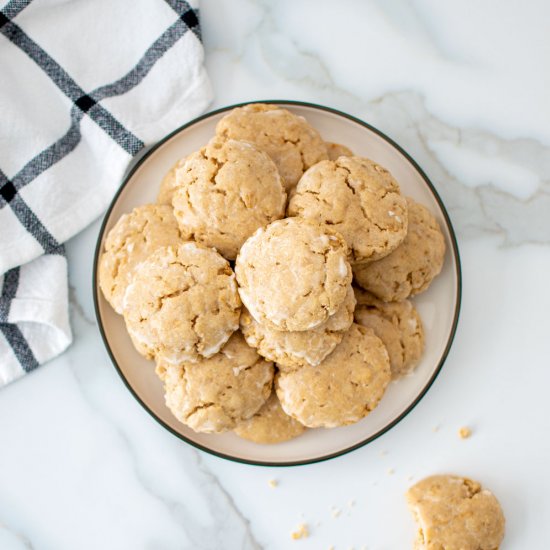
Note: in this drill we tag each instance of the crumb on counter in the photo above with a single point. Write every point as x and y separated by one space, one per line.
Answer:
336 512
301 532
273 483
391 471
383 452
351 503
435 428
464 432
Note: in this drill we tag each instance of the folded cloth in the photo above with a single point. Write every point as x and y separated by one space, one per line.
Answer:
85 86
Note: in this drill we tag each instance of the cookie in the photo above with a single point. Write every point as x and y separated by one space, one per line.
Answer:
215 394
293 274
306 347
288 139
168 184
359 199
399 327
270 424
132 239
343 389
226 191
410 269
336 150
455 513
182 304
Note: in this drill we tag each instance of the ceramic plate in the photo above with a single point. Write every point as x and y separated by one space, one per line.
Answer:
439 306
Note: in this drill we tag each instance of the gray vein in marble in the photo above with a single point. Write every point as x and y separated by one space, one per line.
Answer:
230 525
475 211
25 541
77 308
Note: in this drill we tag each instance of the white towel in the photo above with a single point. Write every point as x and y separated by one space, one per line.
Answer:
84 86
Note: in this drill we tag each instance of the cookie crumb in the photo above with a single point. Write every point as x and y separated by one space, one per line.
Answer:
435 428
273 483
391 471
351 503
301 532
336 512
464 432
410 478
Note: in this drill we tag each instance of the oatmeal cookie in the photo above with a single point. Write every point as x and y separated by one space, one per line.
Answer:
226 191
215 394
359 199
270 424
293 274
455 513
132 239
288 139
410 268
182 304
344 388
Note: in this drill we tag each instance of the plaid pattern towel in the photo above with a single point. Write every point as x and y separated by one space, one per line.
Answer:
84 87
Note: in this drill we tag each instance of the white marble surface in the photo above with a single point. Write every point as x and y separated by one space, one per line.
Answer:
463 86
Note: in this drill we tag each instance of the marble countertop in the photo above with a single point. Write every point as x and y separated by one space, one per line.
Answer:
463 87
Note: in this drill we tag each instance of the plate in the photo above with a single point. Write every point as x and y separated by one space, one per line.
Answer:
439 306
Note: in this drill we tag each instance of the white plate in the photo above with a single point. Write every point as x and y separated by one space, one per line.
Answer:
438 307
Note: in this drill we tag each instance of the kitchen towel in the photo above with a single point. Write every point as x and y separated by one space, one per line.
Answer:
84 87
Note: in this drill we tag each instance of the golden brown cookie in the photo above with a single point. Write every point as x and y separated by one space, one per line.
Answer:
410 268
215 394
168 184
398 325
344 388
270 424
182 304
225 192
337 150
289 140
132 239
293 274
455 513
359 199
306 347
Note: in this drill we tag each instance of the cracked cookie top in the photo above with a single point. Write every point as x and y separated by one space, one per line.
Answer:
455 513
270 424
288 139
398 325
182 304
412 266
293 274
168 184
299 348
132 239
226 191
344 388
214 394
359 199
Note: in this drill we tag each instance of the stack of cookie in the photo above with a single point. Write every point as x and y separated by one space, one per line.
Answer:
238 282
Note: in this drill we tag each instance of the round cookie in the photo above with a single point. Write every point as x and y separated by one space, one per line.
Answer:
337 150
398 325
293 274
359 199
299 348
343 389
182 304
455 513
270 424
226 191
215 394
169 183
132 239
410 268
289 140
